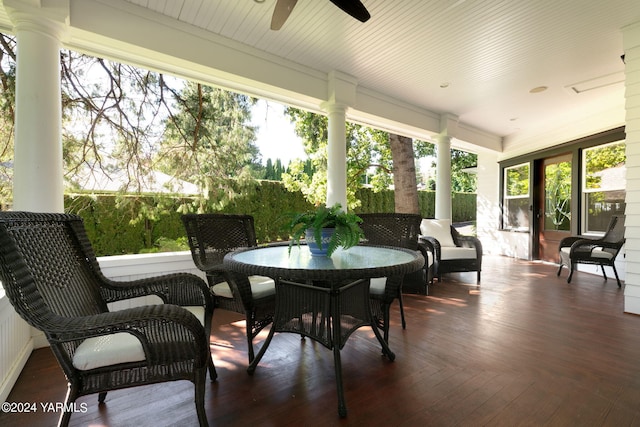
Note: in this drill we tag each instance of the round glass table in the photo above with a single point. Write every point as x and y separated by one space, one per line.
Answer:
324 298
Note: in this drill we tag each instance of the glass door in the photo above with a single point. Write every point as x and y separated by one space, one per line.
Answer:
554 207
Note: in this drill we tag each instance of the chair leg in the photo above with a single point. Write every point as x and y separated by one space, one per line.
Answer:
386 310
478 276
571 268
249 327
404 323
102 396
604 273
559 269
72 395
213 375
199 382
616 274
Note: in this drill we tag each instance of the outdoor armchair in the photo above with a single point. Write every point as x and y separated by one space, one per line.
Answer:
211 237
599 251
453 251
53 280
400 230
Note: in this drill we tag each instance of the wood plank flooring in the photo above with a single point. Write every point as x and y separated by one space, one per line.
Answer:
523 349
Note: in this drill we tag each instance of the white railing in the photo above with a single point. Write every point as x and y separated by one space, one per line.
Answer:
18 339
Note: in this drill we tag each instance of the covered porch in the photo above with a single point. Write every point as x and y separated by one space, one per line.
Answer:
524 347
457 329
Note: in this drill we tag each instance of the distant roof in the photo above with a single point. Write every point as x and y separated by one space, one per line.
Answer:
116 179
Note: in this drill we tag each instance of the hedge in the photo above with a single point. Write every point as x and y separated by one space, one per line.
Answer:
120 224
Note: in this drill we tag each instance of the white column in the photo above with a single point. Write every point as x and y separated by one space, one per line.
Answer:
443 178
341 93
631 41
38 166
336 155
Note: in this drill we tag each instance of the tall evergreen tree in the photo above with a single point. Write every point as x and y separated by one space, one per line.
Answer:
209 141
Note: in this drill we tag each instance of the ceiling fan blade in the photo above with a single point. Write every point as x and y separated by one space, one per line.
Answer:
354 8
281 12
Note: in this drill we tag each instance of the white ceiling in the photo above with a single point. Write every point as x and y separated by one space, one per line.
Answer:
488 53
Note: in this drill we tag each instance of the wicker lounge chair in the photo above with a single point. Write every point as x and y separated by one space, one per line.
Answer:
400 230
52 278
453 251
211 237
603 251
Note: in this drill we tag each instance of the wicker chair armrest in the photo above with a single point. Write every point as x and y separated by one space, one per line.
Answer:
145 321
470 242
589 244
569 241
432 244
184 289
424 249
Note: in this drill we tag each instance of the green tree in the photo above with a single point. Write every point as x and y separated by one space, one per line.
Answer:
361 155
208 141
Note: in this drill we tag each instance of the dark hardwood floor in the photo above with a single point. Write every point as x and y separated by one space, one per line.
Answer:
524 348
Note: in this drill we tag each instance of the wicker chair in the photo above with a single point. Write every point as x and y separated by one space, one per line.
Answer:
211 237
400 230
453 251
603 251
52 278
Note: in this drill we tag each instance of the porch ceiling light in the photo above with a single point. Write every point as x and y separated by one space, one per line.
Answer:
538 89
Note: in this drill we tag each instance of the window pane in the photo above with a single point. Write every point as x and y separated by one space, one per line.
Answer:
604 184
557 196
601 205
516 214
517 181
605 167
516 198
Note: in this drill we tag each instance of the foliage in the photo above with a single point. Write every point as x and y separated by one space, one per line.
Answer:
518 180
461 181
347 232
114 226
209 143
599 159
114 117
367 150
558 195
7 104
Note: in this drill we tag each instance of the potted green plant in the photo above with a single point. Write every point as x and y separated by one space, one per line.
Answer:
325 229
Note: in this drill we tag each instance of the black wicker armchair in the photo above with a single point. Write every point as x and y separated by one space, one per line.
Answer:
603 251
400 230
53 280
211 237
453 251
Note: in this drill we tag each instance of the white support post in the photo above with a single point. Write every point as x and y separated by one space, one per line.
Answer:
443 178
631 41
38 165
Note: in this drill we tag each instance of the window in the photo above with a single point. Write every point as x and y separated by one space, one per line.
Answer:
603 185
516 198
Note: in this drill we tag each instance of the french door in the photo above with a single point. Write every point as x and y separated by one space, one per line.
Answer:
553 205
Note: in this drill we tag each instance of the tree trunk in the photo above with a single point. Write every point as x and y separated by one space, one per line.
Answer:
404 174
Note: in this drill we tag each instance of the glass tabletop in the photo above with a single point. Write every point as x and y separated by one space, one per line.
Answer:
361 261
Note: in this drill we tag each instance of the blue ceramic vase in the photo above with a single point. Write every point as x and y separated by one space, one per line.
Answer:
314 248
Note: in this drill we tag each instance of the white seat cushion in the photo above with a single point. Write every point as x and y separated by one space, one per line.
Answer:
440 229
596 253
260 287
106 350
377 285
121 347
600 253
457 253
